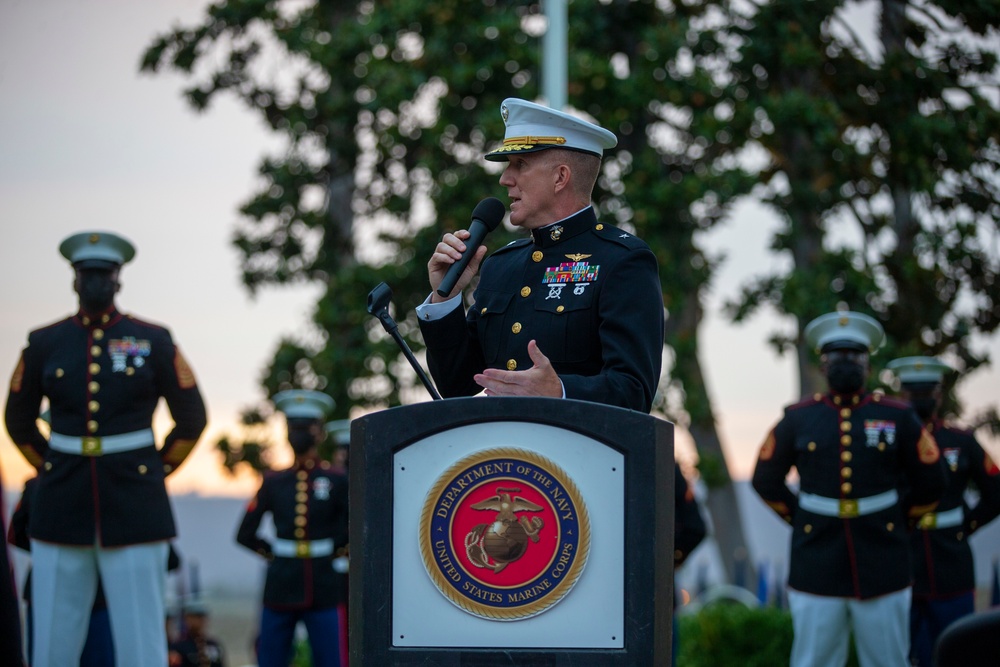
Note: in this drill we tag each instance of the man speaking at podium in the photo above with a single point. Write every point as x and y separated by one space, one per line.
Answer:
574 311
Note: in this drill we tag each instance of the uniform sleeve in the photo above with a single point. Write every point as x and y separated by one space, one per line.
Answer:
23 407
453 353
17 534
986 475
246 535
689 526
922 464
776 458
176 383
341 534
630 329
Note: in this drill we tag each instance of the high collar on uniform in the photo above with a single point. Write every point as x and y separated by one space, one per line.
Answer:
109 316
847 400
310 462
567 228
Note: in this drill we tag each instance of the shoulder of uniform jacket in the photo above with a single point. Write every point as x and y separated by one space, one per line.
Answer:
890 402
958 430
618 236
144 323
806 402
51 326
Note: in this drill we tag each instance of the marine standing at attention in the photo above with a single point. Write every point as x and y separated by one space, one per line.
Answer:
856 454
944 575
101 506
308 503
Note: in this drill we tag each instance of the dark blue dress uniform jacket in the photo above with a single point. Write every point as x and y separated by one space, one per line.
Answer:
307 502
587 292
942 558
103 377
849 448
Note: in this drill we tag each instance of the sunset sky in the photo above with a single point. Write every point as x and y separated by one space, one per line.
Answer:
88 143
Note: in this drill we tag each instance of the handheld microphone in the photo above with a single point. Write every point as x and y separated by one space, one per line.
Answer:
485 218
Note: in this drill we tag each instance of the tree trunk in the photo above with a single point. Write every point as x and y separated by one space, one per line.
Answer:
807 250
682 328
723 507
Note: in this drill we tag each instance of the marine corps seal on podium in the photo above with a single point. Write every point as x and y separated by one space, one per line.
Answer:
504 534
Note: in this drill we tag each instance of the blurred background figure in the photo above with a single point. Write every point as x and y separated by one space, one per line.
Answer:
689 531
856 453
12 653
944 577
100 511
308 504
98 649
340 433
194 646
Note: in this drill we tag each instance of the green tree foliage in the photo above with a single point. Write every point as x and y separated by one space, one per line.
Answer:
882 162
388 107
373 134
879 159
381 156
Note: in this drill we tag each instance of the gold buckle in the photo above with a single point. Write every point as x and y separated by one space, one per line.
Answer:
91 445
302 549
928 521
848 508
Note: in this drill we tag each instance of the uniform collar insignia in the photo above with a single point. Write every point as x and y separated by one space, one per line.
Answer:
560 232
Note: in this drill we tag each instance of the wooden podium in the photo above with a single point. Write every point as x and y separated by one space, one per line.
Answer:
511 531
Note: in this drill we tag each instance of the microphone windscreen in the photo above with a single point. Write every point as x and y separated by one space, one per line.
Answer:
490 212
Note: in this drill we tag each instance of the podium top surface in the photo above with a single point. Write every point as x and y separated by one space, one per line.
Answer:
594 419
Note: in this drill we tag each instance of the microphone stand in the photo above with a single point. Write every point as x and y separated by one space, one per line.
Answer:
378 306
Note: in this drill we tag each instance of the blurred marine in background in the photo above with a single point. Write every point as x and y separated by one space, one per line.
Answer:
101 511
308 503
195 647
944 576
856 454
689 531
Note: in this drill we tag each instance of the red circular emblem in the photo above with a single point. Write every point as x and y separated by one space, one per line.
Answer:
504 534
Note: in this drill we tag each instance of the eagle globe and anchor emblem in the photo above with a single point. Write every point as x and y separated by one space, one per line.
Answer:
506 539
522 560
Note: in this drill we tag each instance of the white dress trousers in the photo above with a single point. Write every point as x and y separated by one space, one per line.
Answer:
63 585
822 626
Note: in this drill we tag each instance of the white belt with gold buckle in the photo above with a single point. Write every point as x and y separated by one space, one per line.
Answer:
96 445
947 519
847 508
302 548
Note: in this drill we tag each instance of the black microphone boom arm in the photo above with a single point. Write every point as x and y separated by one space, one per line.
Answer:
378 307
